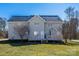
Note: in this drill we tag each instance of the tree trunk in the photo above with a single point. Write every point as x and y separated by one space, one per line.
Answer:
65 41
21 37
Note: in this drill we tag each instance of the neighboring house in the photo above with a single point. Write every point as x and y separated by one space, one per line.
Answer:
40 27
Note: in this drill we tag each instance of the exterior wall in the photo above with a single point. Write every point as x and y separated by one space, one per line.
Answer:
12 34
36 24
39 25
55 27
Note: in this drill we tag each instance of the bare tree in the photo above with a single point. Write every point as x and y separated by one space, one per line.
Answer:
65 30
76 14
73 25
2 26
70 27
69 12
21 30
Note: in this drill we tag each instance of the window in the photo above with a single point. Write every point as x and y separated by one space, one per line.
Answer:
49 32
42 33
52 31
36 23
35 33
78 29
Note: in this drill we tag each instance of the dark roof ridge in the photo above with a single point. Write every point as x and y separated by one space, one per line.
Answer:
21 15
49 15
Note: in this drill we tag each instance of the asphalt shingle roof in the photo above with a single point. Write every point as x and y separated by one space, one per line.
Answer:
51 18
26 18
20 18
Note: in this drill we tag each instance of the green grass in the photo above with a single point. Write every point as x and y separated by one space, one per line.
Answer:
71 49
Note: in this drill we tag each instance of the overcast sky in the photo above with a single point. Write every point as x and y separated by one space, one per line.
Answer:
9 9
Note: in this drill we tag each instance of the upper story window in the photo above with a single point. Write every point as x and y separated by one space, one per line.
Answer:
36 23
49 24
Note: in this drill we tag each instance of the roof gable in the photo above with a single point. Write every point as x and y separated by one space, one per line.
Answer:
36 18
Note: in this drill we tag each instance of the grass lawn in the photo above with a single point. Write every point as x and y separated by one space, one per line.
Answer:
8 49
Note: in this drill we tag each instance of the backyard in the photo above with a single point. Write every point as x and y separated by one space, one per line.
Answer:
12 48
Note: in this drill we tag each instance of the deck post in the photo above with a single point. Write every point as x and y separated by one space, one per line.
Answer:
46 41
41 41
